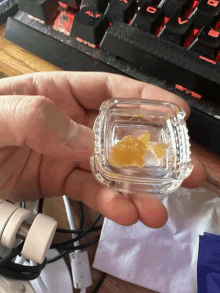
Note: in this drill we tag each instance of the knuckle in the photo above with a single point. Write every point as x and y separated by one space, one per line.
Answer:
38 103
31 112
38 107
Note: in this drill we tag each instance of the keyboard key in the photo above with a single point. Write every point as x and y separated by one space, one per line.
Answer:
177 29
172 6
162 59
207 43
89 25
148 18
63 23
189 8
99 5
205 12
43 10
148 2
7 8
72 3
121 10
138 54
209 7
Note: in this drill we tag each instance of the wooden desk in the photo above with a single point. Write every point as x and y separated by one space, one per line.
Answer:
15 61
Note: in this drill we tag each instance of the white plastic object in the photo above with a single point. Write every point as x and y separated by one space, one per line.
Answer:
1 200
40 281
9 234
56 276
80 269
6 211
8 285
39 238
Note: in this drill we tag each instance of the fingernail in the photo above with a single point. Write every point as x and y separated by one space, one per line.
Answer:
80 138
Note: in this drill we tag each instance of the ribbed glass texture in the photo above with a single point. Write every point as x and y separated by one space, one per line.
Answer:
166 125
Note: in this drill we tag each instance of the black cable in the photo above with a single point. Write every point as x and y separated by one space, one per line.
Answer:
12 254
11 273
40 206
96 289
5 261
19 275
82 246
22 204
59 245
55 258
21 272
27 269
78 231
81 215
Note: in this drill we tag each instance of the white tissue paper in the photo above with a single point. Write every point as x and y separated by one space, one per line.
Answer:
165 259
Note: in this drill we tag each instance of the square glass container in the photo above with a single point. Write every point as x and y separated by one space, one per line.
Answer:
164 122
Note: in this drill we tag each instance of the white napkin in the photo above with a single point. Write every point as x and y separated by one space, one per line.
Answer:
165 259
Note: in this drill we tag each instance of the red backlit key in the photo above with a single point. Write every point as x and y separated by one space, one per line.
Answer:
205 11
209 7
63 23
89 25
99 5
177 29
148 18
121 10
207 43
43 10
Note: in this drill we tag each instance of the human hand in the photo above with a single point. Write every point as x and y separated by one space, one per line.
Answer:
44 153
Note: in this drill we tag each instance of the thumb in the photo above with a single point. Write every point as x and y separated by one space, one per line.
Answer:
36 122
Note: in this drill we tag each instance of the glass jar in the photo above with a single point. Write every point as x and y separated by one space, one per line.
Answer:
164 124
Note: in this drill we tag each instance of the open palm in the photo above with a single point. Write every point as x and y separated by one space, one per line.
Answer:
34 164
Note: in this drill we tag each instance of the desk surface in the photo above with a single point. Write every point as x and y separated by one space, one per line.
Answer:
16 61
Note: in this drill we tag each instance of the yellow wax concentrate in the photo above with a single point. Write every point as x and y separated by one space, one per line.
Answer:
128 152
159 150
145 138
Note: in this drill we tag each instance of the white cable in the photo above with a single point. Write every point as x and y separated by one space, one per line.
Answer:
20 260
70 217
33 206
74 263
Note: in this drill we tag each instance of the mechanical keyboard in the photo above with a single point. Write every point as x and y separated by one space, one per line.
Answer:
174 44
7 8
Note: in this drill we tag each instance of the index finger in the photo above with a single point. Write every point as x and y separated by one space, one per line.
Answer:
91 89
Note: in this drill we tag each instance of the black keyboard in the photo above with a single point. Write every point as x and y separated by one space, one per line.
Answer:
174 44
7 8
